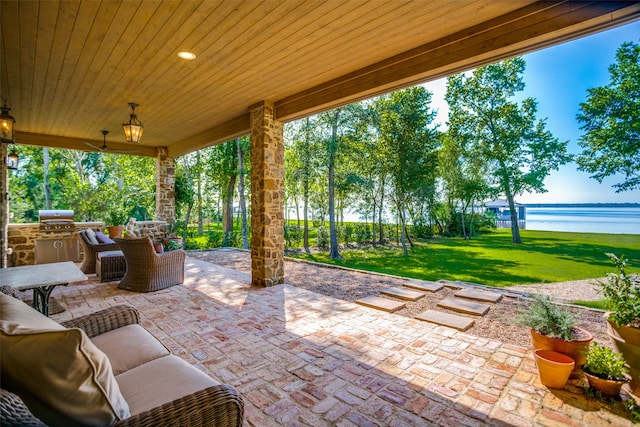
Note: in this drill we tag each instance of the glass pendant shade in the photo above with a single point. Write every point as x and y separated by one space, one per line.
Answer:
7 126
12 161
133 128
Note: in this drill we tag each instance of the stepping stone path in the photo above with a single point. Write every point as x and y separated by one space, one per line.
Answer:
479 295
403 293
423 285
380 303
469 298
445 319
464 306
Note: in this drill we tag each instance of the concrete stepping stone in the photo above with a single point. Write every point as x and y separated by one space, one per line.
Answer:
479 295
380 303
402 293
464 306
445 319
423 285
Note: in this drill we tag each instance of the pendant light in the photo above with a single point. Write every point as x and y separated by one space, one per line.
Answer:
133 128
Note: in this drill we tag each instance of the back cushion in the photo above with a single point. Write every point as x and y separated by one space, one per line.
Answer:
91 235
60 367
102 238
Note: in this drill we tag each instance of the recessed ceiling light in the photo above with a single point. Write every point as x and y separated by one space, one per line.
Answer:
187 55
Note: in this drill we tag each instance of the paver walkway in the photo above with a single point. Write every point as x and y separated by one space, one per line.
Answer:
301 358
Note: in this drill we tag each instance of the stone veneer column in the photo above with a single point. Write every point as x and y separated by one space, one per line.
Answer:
267 191
4 205
165 187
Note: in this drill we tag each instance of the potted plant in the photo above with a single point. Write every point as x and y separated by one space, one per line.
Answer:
175 232
605 370
117 218
554 328
622 293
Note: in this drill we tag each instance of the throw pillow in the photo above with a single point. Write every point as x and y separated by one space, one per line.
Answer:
60 367
102 238
91 235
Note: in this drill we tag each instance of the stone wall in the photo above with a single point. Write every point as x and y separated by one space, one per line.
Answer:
22 237
165 186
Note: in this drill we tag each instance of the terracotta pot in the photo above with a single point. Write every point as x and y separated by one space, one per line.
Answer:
115 230
554 368
626 341
573 349
608 388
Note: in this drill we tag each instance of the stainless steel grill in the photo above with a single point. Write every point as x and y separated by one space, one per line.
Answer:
56 220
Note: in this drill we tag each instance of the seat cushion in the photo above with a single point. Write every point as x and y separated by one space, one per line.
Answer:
161 381
60 367
129 347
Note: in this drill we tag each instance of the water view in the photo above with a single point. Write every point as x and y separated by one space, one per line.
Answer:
616 220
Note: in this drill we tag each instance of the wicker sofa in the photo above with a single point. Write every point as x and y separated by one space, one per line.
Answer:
148 271
90 250
101 369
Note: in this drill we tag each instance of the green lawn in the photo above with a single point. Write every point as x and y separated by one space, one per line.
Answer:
492 259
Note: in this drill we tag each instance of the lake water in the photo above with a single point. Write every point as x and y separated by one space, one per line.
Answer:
616 220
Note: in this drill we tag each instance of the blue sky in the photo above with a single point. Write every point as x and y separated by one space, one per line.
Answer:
558 78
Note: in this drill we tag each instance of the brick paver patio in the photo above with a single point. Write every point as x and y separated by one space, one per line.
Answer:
301 358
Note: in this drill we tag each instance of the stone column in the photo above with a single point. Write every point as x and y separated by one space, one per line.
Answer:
267 183
165 187
4 205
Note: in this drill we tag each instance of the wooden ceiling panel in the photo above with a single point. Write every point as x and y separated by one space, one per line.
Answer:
72 74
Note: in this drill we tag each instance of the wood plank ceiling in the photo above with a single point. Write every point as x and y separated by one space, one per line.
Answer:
69 68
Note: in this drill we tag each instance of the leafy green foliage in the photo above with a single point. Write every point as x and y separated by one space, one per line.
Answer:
604 363
611 121
547 318
622 295
514 147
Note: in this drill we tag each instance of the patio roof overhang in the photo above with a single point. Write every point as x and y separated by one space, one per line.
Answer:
68 69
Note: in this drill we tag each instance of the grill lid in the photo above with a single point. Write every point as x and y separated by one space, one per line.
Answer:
55 216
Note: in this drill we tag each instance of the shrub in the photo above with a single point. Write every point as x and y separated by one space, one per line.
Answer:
604 363
622 295
322 237
292 235
547 318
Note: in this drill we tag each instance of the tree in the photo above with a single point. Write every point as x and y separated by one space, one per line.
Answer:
611 121
516 148
409 145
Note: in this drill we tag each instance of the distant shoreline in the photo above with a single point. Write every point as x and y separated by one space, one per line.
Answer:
582 205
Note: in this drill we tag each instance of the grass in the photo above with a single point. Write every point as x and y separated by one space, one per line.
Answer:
491 258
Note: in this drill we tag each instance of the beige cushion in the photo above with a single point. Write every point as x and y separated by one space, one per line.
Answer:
161 381
129 347
60 367
91 235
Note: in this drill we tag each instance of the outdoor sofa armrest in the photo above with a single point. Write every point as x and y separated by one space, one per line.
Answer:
14 413
219 405
105 320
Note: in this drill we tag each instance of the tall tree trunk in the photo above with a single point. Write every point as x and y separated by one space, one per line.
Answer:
515 228
373 225
305 185
380 210
334 253
45 178
227 207
198 169
405 250
243 203
464 228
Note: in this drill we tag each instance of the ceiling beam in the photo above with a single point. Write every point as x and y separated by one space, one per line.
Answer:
227 131
536 26
53 141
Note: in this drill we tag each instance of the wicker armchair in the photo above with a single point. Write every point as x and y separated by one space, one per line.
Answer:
90 250
219 405
148 271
